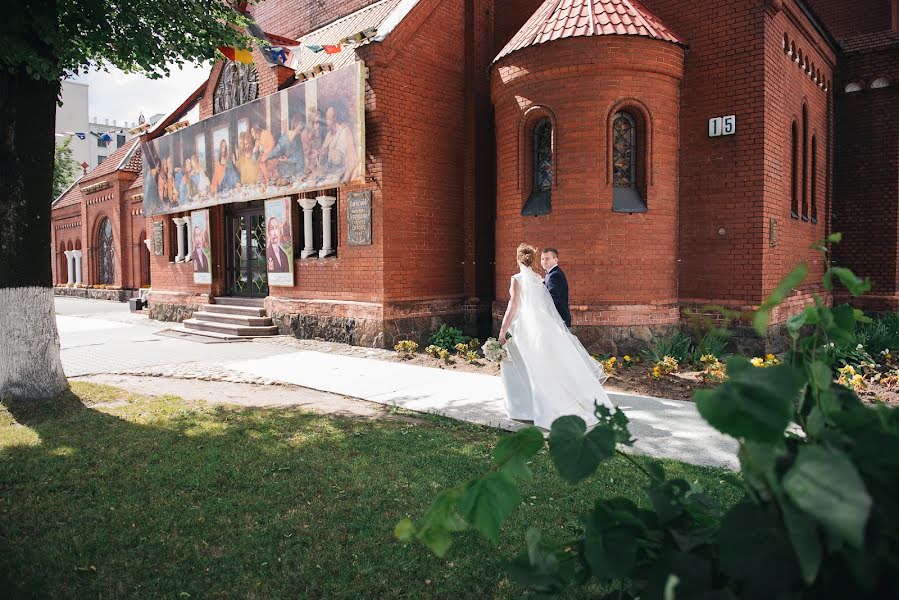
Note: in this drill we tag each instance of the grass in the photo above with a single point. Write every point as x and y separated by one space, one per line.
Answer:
109 494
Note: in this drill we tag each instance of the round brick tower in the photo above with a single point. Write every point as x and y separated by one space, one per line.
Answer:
587 98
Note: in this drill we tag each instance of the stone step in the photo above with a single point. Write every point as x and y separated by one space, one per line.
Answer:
227 328
199 333
237 301
227 309
233 319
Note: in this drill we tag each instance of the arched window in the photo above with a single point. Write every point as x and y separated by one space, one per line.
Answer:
106 253
814 182
539 200
804 162
794 166
880 82
626 156
853 87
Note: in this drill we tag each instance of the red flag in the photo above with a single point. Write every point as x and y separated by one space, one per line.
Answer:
332 49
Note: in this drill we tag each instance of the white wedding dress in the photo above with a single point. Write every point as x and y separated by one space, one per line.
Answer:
548 373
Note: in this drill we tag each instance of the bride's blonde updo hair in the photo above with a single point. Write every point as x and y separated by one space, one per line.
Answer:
527 255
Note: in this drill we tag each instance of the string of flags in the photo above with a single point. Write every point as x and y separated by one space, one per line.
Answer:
350 40
237 54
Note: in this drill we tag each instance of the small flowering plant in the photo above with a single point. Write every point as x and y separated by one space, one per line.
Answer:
667 365
769 361
493 351
406 348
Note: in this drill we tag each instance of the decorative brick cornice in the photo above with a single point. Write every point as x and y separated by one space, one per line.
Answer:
90 189
100 199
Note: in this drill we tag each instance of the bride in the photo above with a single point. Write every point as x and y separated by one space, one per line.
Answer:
548 373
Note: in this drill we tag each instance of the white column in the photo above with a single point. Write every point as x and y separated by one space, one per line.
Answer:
326 202
190 239
308 204
77 260
179 224
70 263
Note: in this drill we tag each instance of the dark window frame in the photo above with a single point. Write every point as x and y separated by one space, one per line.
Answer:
627 196
794 167
541 180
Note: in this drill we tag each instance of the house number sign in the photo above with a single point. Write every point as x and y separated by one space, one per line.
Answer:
722 126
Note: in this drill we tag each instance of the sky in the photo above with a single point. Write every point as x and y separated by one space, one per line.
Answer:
121 96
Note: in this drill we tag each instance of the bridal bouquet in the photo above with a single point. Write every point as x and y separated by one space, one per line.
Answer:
493 351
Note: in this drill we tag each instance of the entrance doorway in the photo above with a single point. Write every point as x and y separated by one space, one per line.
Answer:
245 273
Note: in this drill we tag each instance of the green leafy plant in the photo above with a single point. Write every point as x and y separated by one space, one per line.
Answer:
819 517
714 343
882 333
678 346
447 337
406 348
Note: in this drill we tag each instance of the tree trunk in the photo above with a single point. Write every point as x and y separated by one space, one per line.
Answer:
30 366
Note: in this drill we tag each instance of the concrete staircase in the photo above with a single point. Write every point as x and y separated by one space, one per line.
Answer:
231 318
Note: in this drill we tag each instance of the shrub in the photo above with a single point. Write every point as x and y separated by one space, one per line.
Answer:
406 348
678 346
433 351
882 333
666 366
447 337
714 342
819 517
471 357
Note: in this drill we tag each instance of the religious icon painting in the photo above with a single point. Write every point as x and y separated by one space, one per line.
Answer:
202 252
279 242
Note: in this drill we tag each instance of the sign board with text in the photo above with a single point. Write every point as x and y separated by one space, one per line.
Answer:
358 218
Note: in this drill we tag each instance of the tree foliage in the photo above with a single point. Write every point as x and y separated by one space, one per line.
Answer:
819 518
65 169
54 39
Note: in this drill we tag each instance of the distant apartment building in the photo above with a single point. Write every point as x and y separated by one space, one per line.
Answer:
72 121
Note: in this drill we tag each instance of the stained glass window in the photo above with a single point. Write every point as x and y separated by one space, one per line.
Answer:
543 157
107 253
238 84
624 167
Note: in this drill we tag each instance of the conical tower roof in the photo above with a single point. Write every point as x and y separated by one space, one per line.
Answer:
558 19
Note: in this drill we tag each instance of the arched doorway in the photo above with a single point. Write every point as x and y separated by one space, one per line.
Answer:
144 253
106 253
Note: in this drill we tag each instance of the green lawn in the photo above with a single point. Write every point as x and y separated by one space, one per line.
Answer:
163 498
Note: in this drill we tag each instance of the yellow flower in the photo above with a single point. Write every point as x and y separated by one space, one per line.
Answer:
627 358
757 362
769 357
657 371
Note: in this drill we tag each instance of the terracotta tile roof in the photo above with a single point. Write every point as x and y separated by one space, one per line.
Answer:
121 159
870 41
138 182
374 15
558 19
70 196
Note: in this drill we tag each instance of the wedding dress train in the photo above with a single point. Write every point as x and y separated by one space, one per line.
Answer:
548 373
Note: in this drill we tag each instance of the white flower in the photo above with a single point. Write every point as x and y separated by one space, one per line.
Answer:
493 351
859 347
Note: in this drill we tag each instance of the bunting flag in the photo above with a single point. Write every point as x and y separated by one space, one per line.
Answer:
80 135
329 49
237 54
314 47
275 55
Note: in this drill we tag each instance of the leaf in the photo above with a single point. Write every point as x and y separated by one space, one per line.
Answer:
852 283
835 238
763 314
487 502
803 534
753 548
576 453
611 553
404 530
755 404
825 484
808 316
539 567
655 469
436 527
518 447
820 375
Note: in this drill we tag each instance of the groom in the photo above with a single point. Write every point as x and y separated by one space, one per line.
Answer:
556 282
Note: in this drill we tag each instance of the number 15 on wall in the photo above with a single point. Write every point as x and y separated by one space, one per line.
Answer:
722 125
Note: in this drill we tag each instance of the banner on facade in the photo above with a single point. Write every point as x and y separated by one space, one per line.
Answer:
202 254
310 136
279 242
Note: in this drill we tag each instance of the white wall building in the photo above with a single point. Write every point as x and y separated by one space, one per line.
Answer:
71 120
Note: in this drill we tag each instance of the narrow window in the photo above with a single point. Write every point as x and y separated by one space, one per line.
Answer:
626 155
794 204
804 163
814 179
539 201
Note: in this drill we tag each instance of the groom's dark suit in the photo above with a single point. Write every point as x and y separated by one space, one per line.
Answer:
557 285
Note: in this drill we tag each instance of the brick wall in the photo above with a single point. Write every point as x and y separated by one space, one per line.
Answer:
866 178
618 264
798 76
844 19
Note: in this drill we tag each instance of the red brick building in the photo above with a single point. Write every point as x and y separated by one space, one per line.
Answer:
678 154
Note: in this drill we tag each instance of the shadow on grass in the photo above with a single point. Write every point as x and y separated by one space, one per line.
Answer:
103 493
